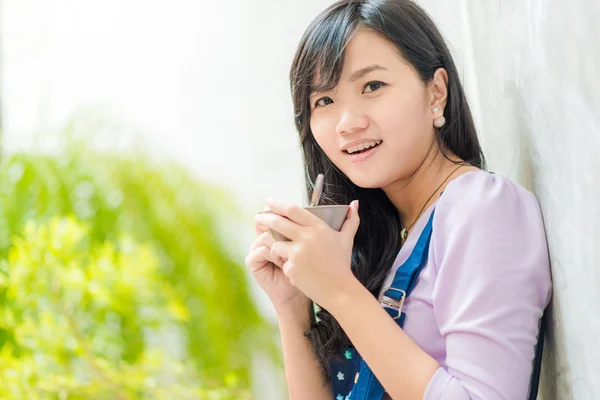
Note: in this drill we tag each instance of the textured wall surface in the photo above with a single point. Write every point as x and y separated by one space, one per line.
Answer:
531 71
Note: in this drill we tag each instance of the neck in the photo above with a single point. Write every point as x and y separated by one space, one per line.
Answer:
410 194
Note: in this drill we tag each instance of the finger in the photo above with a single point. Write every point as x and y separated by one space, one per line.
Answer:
259 228
282 250
264 239
278 261
259 258
281 224
352 222
293 212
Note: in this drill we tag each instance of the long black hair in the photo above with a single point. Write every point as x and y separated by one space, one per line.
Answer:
321 54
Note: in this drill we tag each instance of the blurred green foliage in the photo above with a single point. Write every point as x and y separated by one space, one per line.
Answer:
117 281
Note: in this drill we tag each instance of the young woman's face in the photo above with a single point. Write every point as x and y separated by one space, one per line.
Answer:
381 99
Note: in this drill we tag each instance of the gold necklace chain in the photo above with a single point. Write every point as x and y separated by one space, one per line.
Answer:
404 231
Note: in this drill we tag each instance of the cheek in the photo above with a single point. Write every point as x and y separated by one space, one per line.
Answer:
323 129
402 122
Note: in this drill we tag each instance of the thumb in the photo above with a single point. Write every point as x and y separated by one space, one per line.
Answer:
352 222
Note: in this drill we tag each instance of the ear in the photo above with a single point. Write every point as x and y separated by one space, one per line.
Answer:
438 91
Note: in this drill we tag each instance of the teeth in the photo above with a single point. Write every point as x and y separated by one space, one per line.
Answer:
362 146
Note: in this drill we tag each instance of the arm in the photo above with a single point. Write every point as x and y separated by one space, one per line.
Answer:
304 377
401 366
492 286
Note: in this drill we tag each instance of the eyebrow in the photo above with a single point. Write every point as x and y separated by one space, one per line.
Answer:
364 71
356 75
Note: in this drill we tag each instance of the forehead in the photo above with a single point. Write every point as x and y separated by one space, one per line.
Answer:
365 48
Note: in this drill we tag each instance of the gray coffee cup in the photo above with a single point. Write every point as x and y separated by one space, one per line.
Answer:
333 215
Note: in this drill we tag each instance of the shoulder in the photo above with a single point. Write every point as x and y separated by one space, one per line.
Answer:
478 198
485 216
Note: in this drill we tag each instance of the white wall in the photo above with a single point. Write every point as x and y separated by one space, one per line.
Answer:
532 69
206 84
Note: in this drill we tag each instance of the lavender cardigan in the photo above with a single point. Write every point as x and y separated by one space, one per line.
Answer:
479 299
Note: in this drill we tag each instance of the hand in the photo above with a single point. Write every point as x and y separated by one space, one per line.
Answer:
317 258
267 272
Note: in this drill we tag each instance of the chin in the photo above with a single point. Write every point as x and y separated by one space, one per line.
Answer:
367 181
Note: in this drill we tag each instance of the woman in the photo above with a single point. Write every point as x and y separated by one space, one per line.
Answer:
436 287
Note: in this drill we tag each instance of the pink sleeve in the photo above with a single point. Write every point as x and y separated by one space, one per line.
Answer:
493 283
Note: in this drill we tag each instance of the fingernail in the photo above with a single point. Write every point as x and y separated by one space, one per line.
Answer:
356 205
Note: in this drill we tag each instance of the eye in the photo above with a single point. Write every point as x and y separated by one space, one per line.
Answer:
373 85
323 101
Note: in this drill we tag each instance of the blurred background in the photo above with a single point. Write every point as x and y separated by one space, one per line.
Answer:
139 138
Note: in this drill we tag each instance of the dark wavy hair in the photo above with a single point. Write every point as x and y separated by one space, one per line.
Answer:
321 54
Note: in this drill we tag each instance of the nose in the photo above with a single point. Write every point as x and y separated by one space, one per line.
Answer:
351 121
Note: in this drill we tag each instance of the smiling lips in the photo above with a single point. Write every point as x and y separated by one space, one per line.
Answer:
362 151
362 146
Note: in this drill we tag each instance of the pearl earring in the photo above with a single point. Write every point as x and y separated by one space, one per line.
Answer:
438 123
